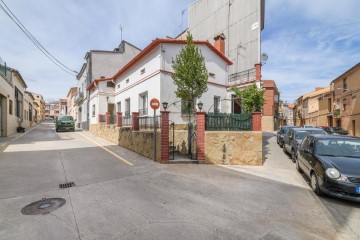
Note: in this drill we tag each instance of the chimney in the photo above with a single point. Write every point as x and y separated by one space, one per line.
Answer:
220 43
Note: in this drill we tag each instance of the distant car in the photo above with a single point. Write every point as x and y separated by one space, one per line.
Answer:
340 131
65 123
293 138
280 135
332 163
335 130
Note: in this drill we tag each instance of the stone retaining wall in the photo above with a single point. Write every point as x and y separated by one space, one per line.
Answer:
141 142
235 148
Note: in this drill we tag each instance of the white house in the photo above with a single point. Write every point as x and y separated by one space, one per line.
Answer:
148 76
99 64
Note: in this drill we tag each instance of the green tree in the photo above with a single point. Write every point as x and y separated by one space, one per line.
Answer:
191 75
251 98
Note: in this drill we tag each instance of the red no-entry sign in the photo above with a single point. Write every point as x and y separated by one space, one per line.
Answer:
154 103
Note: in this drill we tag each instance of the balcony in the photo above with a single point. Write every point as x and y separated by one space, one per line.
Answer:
336 113
79 97
242 77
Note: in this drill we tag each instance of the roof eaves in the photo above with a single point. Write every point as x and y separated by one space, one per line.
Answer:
347 72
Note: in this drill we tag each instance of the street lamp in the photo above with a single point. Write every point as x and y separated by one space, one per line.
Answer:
200 105
165 105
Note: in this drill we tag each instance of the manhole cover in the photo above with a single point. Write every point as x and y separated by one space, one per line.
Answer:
43 206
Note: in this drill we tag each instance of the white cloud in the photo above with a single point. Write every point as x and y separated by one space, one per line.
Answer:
306 45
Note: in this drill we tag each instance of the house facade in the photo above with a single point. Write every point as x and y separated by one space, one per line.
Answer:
12 93
39 100
70 102
311 107
270 114
99 64
148 76
29 110
346 101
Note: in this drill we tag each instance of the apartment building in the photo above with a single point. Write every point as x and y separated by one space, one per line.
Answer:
346 100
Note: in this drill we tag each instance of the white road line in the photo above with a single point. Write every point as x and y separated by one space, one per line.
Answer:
111 152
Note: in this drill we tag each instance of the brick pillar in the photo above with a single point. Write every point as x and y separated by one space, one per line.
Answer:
135 121
107 119
99 118
256 121
119 119
258 71
200 133
164 136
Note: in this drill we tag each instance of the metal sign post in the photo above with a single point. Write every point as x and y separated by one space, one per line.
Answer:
154 104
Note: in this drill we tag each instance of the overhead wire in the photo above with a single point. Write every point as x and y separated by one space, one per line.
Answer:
35 41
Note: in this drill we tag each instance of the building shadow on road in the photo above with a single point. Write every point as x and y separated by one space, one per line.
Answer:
266 145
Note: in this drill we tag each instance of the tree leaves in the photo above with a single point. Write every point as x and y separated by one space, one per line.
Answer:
191 75
251 98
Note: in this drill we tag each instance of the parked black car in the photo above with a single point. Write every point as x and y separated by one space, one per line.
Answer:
280 135
293 138
335 130
333 165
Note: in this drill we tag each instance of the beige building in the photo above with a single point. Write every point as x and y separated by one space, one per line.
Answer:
12 91
39 100
29 110
346 101
71 106
311 107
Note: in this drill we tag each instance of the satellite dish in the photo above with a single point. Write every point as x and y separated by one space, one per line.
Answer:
264 57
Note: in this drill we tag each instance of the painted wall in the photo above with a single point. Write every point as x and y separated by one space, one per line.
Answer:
241 24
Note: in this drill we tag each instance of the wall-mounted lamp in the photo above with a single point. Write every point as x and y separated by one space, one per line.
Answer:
200 105
165 105
107 99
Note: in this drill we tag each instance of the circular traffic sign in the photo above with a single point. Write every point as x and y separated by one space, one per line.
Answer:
154 103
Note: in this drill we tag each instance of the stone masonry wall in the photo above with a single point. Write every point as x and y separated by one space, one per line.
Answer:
141 142
235 148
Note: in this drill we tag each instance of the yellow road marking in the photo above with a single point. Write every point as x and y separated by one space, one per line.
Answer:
111 152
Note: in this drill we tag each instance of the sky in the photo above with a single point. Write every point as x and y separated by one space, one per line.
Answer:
309 43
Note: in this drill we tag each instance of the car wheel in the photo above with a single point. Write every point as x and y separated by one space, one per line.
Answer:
293 155
281 144
73 130
284 149
315 184
298 166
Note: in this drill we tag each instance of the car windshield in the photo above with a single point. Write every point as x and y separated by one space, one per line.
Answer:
299 135
339 147
65 118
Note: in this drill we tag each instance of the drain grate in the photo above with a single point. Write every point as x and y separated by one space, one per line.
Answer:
67 185
44 206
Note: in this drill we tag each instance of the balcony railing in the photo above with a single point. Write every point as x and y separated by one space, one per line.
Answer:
242 77
79 97
336 113
148 122
143 112
6 72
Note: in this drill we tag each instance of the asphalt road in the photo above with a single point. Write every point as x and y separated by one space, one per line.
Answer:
121 195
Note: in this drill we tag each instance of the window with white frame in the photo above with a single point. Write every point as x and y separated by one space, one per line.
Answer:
143 103
118 106
216 104
127 107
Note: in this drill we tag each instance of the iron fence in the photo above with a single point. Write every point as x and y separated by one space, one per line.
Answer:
143 111
112 119
148 122
102 118
127 121
228 122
